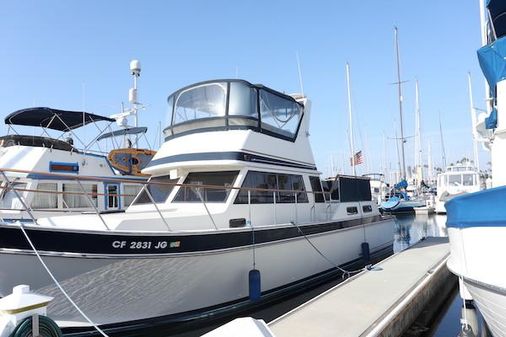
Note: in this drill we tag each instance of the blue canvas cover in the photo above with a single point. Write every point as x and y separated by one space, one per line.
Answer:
492 62
479 209
491 121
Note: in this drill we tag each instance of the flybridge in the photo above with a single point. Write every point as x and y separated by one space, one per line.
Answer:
232 105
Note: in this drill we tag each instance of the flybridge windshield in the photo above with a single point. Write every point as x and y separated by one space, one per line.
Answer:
233 104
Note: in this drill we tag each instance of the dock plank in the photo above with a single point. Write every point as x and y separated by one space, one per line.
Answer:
354 307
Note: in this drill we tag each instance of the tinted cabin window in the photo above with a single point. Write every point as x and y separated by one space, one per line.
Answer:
208 194
159 188
331 189
294 183
354 189
260 180
272 181
351 210
316 186
367 209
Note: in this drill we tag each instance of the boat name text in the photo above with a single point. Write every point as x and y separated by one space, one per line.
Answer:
146 244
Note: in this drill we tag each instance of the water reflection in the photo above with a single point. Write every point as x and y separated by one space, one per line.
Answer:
410 228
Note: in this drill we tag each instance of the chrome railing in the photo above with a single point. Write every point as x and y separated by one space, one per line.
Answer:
23 193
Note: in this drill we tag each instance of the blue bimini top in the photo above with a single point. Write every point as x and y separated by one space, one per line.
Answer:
480 209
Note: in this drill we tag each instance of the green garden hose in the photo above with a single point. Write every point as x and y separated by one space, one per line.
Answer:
47 328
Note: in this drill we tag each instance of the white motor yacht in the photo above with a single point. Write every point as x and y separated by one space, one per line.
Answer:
234 214
39 172
456 180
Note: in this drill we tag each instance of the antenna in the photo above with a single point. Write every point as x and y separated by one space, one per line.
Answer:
350 116
399 84
135 69
300 75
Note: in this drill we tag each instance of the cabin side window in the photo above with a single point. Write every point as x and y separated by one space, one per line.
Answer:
9 197
46 196
316 186
159 189
210 191
354 189
331 189
242 106
279 115
129 193
468 179
265 184
76 197
351 210
367 208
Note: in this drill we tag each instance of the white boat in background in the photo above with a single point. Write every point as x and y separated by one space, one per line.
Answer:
477 221
379 188
39 172
456 180
234 213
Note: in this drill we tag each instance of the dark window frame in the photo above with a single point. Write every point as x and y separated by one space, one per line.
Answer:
266 197
160 195
186 194
318 195
367 208
351 210
169 130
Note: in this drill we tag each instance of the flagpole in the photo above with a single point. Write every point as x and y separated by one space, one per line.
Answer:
350 116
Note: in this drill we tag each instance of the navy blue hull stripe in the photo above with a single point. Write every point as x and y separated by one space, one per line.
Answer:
241 156
145 245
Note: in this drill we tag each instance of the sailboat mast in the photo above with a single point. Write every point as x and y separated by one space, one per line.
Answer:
443 152
473 122
350 116
418 144
429 161
399 85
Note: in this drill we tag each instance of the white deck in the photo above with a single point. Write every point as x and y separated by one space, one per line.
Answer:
366 303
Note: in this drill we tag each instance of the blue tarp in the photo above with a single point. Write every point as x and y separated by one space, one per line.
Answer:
497 9
491 121
492 62
479 209
401 184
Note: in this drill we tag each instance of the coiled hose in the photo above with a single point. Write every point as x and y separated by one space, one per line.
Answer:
47 328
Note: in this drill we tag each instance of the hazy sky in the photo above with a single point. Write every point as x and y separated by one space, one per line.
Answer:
75 54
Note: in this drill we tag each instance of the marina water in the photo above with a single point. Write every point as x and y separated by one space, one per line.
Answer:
409 229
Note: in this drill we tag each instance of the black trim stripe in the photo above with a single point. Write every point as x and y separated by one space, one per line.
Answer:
111 244
241 156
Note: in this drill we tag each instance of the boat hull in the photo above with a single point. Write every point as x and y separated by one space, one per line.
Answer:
477 232
114 289
401 206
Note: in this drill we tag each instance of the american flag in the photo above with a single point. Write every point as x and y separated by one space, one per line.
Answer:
357 159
